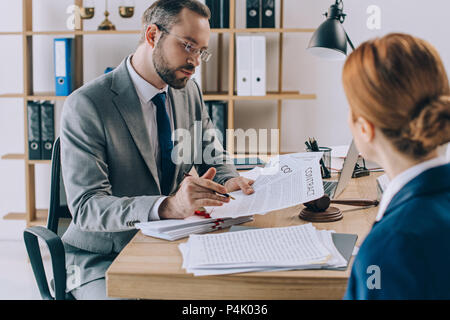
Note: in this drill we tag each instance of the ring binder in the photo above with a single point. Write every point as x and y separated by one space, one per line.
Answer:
258 83
214 8
224 13
268 13
253 13
218 115
47 130
244 65
64 62
251 65
34 130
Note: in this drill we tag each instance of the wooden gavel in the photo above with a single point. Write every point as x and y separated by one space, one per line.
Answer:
322 204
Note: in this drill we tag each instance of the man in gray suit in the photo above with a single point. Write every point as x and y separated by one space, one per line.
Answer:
117 149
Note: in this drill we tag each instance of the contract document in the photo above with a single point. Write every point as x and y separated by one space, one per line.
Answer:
285 181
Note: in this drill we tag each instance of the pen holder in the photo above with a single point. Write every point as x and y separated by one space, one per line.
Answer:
325 163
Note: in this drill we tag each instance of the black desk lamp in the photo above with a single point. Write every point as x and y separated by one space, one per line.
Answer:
329 41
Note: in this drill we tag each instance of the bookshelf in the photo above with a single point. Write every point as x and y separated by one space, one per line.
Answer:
34 216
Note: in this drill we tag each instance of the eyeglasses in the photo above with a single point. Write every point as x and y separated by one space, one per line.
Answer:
204 54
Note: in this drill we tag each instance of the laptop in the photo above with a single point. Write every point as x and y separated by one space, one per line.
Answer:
334 188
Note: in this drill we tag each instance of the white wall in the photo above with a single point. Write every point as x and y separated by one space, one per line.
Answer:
324 118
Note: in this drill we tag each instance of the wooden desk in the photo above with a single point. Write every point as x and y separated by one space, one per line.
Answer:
151 268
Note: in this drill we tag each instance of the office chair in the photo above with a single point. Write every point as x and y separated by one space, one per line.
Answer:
58 214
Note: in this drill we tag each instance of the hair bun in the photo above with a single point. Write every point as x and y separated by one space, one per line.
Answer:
431 127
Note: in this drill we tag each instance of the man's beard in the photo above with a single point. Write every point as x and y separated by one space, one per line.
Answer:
167 74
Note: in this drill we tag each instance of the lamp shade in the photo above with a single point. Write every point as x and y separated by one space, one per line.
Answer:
329 41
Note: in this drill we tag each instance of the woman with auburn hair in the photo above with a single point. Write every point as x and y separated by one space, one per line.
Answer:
399 99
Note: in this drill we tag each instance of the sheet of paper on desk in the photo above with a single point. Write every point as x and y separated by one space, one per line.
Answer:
174 229
285 181
338 154
339 151
270 249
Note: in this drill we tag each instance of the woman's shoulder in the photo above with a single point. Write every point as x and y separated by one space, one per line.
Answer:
422 217
419 222
420 211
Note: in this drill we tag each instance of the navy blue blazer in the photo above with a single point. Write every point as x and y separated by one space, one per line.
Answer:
406 255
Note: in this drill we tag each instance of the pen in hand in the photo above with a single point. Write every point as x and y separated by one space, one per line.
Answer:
222 194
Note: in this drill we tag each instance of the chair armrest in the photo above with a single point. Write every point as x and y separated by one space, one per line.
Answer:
58 259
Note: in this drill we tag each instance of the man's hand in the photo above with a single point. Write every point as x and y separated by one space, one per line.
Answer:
240 183
193 194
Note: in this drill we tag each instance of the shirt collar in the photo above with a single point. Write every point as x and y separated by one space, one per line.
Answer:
402 179
144 89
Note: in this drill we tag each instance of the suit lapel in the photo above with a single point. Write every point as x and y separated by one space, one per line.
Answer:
129 106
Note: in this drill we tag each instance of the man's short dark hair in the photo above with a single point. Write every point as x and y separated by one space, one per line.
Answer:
165 13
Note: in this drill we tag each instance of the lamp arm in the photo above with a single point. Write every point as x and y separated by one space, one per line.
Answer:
349 41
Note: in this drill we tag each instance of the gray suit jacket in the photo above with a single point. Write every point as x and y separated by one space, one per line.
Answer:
109 171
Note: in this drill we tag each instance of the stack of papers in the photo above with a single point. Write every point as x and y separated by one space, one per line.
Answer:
174 229
271 249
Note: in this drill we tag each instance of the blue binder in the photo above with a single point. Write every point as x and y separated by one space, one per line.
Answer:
64 65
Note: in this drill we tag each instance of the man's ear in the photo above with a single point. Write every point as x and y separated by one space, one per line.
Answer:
152 35
366 129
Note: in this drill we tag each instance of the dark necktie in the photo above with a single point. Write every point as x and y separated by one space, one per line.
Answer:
165 143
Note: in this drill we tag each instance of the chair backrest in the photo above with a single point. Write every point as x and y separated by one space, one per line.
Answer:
59 215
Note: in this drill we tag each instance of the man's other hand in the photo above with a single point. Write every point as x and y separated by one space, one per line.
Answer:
240 183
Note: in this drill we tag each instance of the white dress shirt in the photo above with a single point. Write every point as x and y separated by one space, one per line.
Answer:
146 92
402 179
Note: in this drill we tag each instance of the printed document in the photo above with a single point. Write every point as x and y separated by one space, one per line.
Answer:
270 249
285 181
